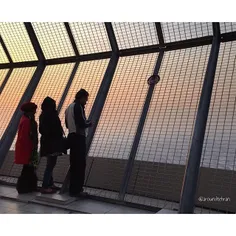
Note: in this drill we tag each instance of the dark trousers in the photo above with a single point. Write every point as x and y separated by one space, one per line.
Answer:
48 173
77 162
27 182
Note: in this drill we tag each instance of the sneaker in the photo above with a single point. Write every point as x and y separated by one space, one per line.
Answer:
48 191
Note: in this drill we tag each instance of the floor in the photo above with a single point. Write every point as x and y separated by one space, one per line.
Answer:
12 203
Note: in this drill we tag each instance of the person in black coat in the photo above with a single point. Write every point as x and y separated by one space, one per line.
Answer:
50 143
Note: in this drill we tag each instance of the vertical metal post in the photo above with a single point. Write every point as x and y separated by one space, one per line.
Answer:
105 85
129 166
5 80
11 129
5 50
34 41
192 169
10 61
72 40
159 33
101 95
67 87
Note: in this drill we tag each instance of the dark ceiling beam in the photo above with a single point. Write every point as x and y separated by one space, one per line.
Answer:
226 37
72 40
5 50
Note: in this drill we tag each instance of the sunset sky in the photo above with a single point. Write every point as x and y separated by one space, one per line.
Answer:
168 128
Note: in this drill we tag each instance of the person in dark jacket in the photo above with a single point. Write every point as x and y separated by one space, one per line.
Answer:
50 143
26 150
77 124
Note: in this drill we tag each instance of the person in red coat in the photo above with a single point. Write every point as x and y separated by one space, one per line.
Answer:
26 149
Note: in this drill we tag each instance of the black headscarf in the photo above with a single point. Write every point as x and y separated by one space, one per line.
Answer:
49 122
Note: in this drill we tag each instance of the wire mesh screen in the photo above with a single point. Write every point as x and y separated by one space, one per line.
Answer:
53 39
89 76
176 31
17 41
226 27
12 94
46 87
115 132
163 148
90 37
218 158
3 57
137 34
3 74
52 84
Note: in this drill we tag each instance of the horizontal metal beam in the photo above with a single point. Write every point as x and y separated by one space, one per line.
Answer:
63 60
88 57
19 64
226 37
167 46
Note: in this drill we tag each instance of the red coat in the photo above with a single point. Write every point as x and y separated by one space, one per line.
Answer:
24 145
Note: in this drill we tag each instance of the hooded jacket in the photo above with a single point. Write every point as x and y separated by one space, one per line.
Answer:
50 128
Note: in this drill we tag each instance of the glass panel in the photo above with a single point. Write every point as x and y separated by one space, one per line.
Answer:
3 57
177 31
122 110
12 94
220 139
226 27
17 41
168 128
53 39
217 175
89 76
90 37
164 145
130 35
52 83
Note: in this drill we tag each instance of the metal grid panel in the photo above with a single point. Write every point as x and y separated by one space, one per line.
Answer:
226 27
12 93
176 31
165 140
53 39
89 76
3 57
135 34
220 139
217 175
117 125
123 106
3 74
52 83
90 37
17 41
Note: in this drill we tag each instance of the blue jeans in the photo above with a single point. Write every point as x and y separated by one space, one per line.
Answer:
48 178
